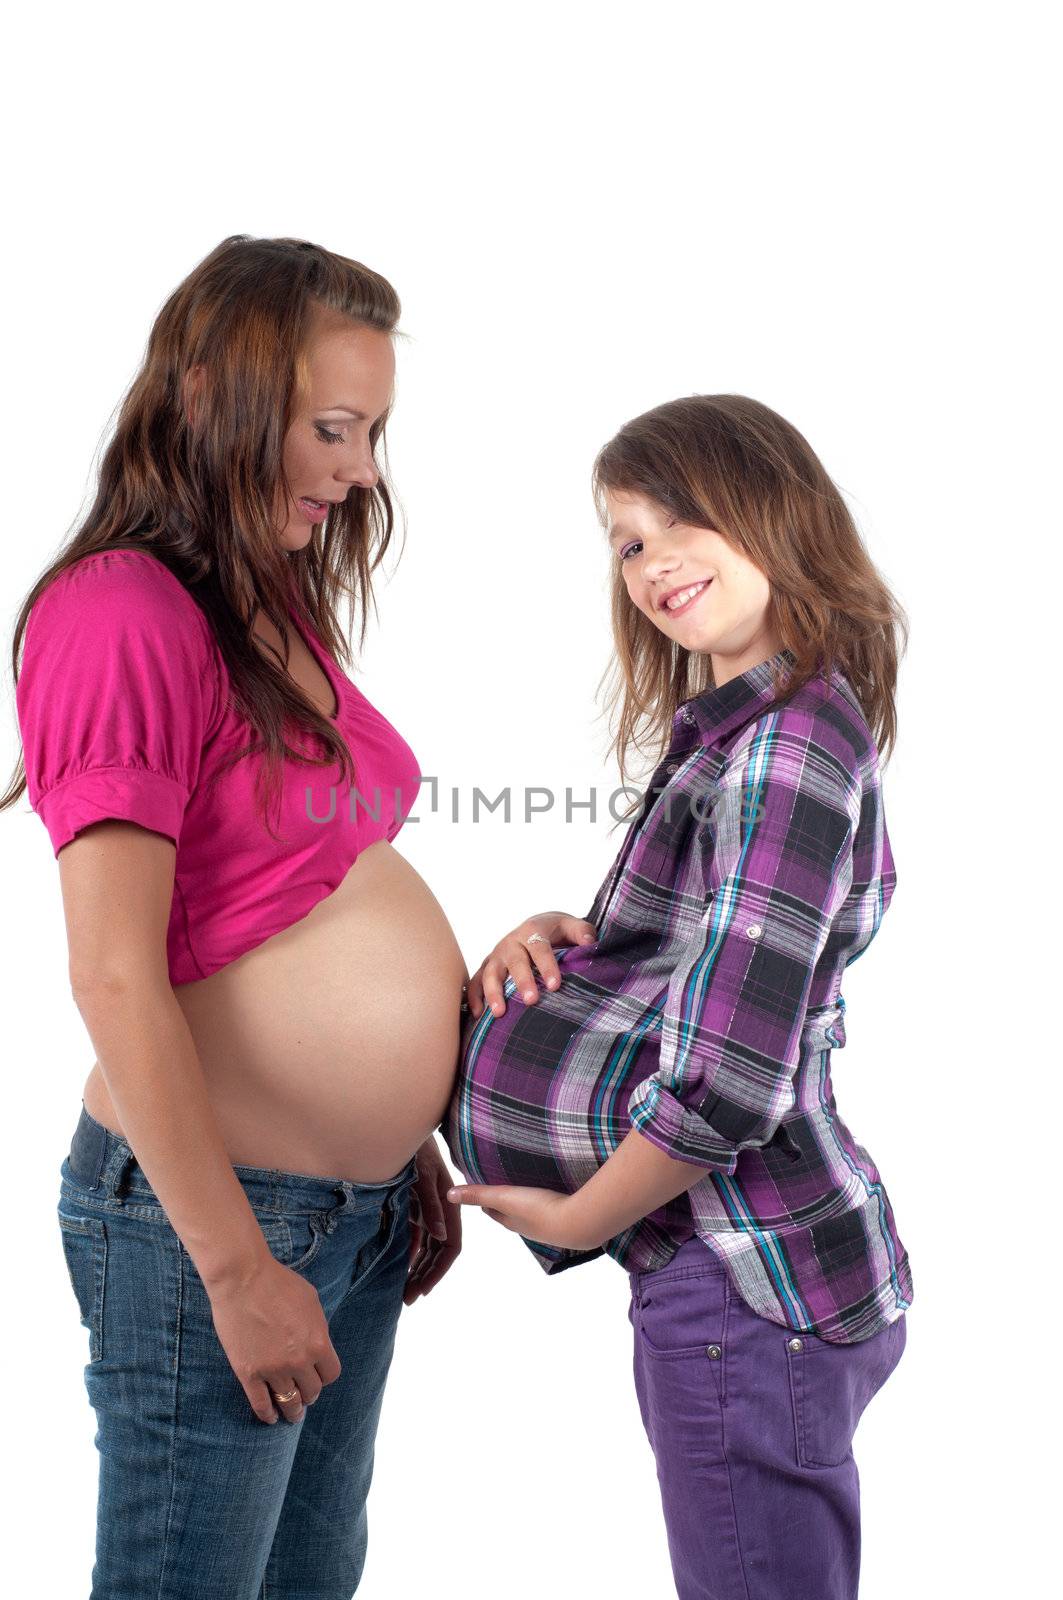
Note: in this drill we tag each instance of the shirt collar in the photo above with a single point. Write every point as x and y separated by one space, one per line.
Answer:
715 713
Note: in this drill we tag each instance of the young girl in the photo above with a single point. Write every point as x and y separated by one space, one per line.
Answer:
659 1086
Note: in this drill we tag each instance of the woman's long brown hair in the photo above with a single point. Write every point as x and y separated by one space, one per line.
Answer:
726 462
200 495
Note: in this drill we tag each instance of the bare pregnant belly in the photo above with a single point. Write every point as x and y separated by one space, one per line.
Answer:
331 1048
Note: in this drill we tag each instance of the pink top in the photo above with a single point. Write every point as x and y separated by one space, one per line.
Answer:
123 708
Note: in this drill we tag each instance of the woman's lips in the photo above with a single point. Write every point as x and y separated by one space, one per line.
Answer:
679 611
313 510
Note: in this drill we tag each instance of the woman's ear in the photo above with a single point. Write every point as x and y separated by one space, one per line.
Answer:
191 384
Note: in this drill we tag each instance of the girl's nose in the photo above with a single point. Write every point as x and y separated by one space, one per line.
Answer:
659 565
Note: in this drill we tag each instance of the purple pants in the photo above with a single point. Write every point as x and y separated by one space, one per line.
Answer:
751 1425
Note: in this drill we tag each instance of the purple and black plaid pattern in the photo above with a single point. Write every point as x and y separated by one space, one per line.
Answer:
706 1014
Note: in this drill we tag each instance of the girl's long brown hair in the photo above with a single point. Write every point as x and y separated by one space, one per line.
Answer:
726 462
200 495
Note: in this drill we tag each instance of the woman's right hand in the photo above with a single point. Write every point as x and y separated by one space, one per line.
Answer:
273 1330
513 954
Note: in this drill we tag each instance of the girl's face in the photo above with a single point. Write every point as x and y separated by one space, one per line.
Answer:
351 374
692 584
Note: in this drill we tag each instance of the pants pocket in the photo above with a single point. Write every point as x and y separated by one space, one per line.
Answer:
295 1240
85 1249
830 1387
682 1317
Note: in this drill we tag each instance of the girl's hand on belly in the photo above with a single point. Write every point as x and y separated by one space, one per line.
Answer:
514 953
435 1227
541 1215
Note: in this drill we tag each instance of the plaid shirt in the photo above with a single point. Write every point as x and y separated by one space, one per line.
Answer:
706 1012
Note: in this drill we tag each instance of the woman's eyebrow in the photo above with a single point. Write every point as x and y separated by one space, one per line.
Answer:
350 411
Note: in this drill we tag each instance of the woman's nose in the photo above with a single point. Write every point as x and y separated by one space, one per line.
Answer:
363 472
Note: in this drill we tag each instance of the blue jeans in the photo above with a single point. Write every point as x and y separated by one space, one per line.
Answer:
197 1497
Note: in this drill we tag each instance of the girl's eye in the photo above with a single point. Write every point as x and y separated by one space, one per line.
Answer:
636 544
326 436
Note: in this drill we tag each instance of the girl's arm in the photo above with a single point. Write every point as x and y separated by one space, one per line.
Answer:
777 870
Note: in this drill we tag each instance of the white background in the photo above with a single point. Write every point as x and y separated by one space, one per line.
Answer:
588 209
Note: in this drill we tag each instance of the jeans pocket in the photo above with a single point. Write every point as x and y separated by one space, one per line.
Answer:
830 1386
684 1317
85 1249
294 1240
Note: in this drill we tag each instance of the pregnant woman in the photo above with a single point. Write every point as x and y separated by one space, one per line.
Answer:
272 993
666 1094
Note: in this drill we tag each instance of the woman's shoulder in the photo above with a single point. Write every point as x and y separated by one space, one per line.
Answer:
131 591
124 572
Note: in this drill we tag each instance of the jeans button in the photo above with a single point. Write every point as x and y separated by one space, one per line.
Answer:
713 1352
795 1344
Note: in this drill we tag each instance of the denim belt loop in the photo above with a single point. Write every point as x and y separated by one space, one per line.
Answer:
330 1217
121 1158
405 1186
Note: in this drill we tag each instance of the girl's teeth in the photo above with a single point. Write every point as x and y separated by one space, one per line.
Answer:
683 596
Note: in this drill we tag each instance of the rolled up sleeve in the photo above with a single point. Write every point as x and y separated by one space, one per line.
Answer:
113 697
777 856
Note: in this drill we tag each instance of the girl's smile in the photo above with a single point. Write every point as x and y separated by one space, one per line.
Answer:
678 601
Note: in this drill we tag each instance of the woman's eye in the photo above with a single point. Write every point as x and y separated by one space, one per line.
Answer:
326 436
636 544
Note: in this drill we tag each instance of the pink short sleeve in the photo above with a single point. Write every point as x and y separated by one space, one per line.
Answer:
115 695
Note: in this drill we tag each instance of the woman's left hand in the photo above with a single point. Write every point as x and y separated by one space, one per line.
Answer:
538 1214
435 1227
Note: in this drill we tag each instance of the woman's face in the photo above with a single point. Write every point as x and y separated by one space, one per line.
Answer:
351 375
724 614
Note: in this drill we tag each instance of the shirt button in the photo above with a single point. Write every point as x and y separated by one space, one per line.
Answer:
795 1344
754 930
713 1352
671 766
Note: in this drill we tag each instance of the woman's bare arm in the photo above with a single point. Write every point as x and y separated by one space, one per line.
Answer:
117 882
